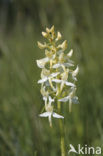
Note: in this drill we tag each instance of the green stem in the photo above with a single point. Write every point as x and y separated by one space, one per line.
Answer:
62 144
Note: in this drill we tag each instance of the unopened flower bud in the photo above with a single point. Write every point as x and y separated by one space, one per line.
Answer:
59 36
63 46
51 30
41 46
75 72
45 34
70 53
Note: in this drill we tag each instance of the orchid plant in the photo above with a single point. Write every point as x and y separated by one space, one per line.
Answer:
58 75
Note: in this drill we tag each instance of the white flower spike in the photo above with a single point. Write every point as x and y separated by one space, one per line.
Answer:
57 76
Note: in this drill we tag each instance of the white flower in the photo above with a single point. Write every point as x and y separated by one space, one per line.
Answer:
48 78
71 98
63 80
41 63
49 109
45 98
62 62
49 115
45 78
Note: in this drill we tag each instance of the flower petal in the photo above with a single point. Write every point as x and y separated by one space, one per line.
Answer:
68 64
43 80
69 84
55 115
56 80
41 63
56 65
54 74
65 99
45 114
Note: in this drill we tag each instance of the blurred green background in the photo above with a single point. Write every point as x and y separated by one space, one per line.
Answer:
22 132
